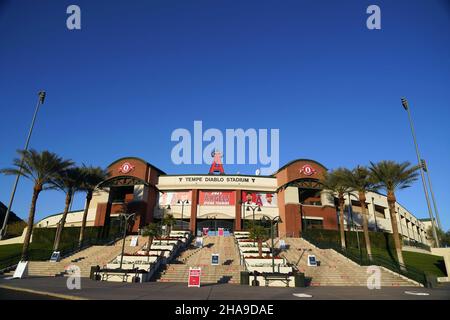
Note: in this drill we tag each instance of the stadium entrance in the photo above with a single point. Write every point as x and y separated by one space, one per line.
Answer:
213 225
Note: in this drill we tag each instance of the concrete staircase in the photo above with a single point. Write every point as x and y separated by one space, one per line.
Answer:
227 272
84 259
335 269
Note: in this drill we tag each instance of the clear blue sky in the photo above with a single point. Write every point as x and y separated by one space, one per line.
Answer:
140 69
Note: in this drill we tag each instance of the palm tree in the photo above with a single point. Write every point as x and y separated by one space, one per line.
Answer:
336 182
151 231
359 179
41 168
92 177
69 181
391 176
259 234
169 221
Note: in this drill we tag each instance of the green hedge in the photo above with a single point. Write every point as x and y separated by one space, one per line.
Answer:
333 238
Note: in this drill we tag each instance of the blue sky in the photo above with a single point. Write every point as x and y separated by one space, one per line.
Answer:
137 70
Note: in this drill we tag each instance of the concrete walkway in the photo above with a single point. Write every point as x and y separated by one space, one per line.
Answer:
98 290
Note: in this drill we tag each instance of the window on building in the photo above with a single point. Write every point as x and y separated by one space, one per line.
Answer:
312 223
118 194
379 212
309 197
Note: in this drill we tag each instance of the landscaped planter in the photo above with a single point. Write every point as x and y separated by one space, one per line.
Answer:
253 249
267 268
254 261
255 254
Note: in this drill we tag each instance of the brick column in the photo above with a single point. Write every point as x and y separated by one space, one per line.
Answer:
193 220
238 210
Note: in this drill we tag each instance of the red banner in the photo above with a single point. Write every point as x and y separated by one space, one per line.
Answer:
217 198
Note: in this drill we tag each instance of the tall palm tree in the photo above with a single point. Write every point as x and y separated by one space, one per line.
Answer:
69 181
151 231
336 182
259 234
360 180
92 177
41 168
391 176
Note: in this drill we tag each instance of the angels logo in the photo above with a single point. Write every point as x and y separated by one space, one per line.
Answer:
126 167
307 170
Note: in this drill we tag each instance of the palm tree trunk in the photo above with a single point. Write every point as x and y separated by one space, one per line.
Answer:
341 220
85 213
398 247
62 222
26 243
362 201
150 241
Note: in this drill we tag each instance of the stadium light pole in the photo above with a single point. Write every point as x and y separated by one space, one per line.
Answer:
425 168
273 221
182 202
430 212
41 98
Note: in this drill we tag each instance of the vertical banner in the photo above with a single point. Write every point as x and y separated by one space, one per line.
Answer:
221 232
194 277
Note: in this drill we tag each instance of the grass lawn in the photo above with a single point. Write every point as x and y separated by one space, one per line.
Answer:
10 253
427 263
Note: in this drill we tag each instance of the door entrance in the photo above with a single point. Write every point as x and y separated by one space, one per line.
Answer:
214 224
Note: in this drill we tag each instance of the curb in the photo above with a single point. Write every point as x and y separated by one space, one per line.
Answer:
45 293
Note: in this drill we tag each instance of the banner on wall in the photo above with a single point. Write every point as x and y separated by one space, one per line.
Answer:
261 199
217 198
172 197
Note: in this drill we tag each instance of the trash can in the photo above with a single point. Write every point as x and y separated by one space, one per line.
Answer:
431 281
255 281
245 278
94 270
299 279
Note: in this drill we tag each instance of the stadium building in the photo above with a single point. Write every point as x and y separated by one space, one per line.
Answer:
210 201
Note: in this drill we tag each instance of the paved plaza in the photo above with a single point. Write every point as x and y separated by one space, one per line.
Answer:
55 287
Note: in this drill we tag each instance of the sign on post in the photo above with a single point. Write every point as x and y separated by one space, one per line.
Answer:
134 241
55 256
312 262
282 244
21 270
215 259
194 277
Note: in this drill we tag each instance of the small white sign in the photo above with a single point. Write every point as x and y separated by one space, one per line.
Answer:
214 259
282 244
21 270
134 241
312 262
199 242
56 255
